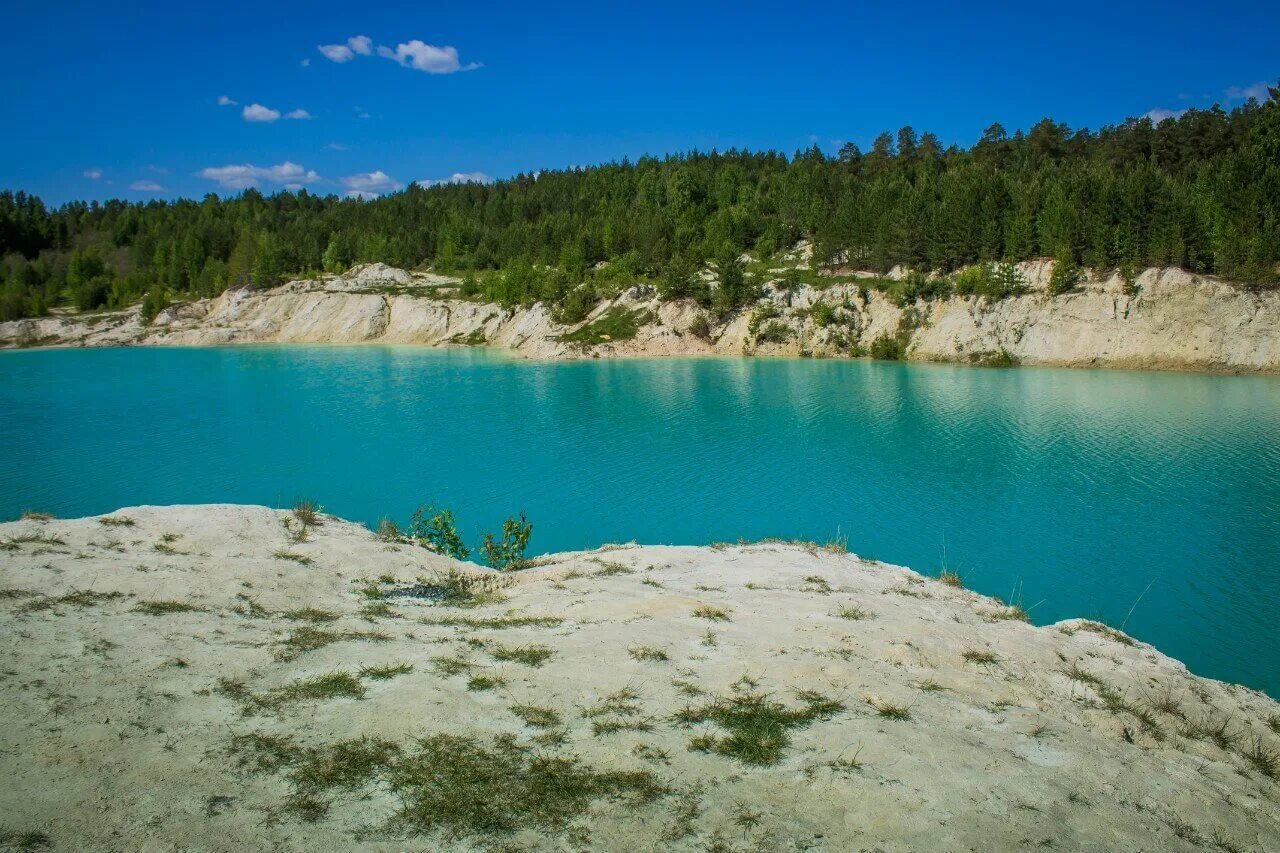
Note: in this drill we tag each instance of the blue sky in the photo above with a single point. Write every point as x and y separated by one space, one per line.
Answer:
122 100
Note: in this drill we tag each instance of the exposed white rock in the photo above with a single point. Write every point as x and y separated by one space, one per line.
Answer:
1171 319
146 650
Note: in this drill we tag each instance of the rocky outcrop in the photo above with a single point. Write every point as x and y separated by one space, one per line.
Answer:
205 677
1165 319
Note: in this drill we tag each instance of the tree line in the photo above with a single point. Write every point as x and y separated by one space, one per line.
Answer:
1200 191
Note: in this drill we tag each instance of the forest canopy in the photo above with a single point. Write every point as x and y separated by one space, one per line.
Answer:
1200 191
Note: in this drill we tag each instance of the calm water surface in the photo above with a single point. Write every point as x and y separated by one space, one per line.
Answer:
1149 500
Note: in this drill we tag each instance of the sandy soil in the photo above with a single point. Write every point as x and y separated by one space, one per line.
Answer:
158 692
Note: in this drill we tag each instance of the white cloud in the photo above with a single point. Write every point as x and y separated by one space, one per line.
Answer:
1159 114
93 174
1243 93
146 187
370 184
257 112
336 52
362 45
243 176
224 101
426 57
457 178
298 114
335 146
306 63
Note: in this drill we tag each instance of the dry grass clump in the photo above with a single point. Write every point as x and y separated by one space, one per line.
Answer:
161 608
980 657
308 639
385 672
648 653
890 710
852 612
76 598
537 716
116 521
715 614
530 655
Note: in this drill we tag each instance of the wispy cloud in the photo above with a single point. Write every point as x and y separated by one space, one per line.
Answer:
456 178
1159 114
1257 90
257 112
306 63
426 57
146 187
335 146
370 184
415 54
94 174
224 101
354 46
245 175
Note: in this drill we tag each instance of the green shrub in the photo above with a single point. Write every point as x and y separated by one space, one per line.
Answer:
507 553
156 300
995 281
1065 276
887 347
435 528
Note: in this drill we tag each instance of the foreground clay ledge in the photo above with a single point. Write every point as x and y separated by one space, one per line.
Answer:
191 678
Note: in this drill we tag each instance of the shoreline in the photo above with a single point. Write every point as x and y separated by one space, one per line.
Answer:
1174 322
514 356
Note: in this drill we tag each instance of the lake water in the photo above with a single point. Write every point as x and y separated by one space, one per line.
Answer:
1146 500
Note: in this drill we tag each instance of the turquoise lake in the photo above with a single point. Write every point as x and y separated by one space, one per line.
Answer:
1147 500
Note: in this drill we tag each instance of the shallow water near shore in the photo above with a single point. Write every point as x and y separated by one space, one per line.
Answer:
1148 500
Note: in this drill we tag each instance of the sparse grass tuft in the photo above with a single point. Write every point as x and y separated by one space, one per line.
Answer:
510 620
301 559
951 578
853 612
1012 613
1265 759
608 569
76 598
388 530
308 639
817 583
477 683
531 655
386 672
982 658
310 614
161 608
1106 631
538 717
116 521
24 839
648 653
451 665
715 614
32 515
890 710
460 787
12 543
758 725
619 711
333 685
